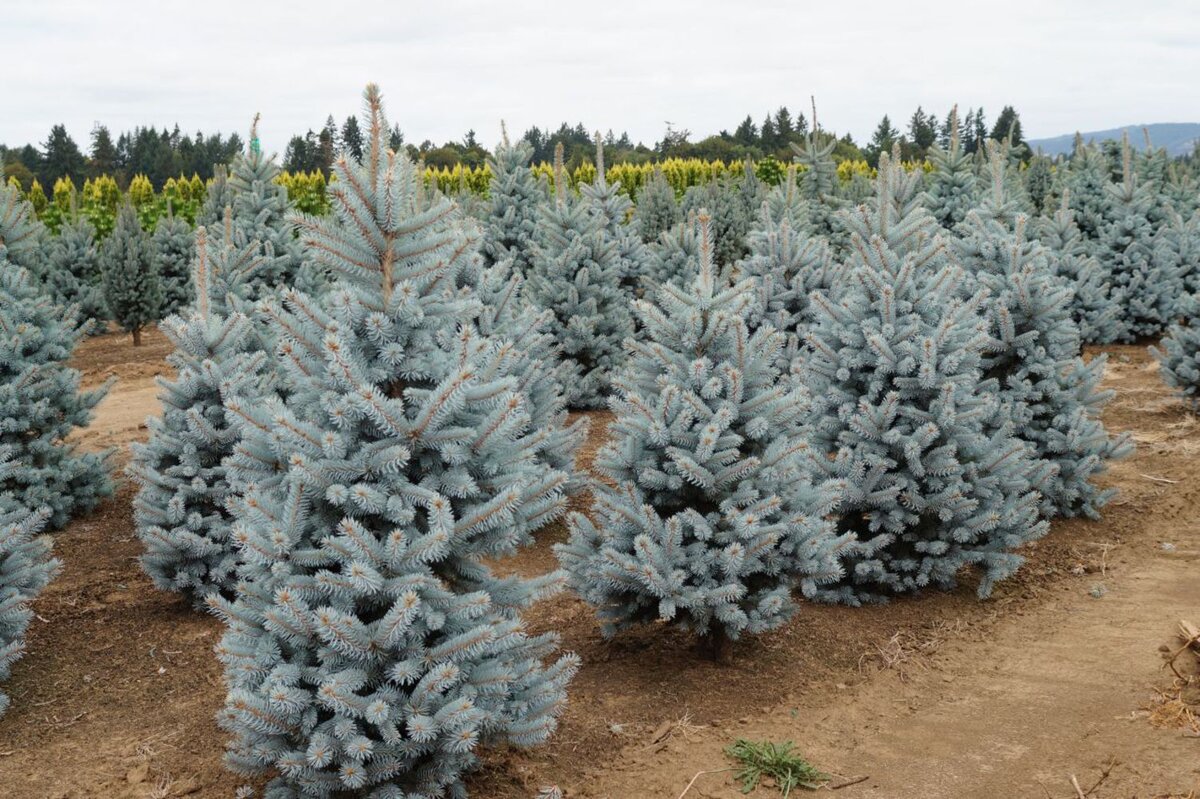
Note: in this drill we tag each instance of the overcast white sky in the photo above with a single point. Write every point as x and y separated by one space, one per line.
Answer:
456 64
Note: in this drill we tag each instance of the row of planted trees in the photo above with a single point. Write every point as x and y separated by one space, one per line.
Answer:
823 391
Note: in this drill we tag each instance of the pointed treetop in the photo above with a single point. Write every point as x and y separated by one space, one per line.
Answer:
954 137
1126 162
504 134
813 99
600 178
1146 136
703 220
560 174
200 271
255 144
377 128
997 169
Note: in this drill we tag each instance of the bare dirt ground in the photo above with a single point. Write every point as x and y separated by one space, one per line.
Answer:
1060 674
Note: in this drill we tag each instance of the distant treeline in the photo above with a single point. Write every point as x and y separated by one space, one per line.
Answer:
160 155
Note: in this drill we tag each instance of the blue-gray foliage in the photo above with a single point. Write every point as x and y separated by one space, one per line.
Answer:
710 520
1179 356
371 649
173 245
40 400
1049 392
1100 318
180 509
577 274
935 480
133 290
25 569
514 197
73 271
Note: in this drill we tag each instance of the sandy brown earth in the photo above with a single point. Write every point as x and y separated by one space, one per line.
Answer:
1061 674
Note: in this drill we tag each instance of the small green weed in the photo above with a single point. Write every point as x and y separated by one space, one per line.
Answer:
786 768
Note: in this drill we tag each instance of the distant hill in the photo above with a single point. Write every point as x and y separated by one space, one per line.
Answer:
1178 137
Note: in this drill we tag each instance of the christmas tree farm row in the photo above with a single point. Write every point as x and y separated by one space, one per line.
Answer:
822 391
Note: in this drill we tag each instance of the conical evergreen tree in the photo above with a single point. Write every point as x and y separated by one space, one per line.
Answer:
1098 315
370 649
261 210
514 198
1086 177
180 508
900 412
1149 286
785 203
132 288
1177 253
673 258
1179 357
896 213
612 209
577 274
656 211
217 197
952 190
711 520
40 401
819 181
173 245
731 219
25 568
1050 393
73 274
1181 191
784 267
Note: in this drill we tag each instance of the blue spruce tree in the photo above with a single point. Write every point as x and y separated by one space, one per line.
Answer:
734 204
514 199
673 257
261 212
173 245
710 520
40 401
577 274
370 648
25 569
180 509
1100 318
785 203
1049 392
73 271
819 180
657 210
1087 179
1149 286
899 411
1179 356
217 197
951 191
132 288
1177 252
612 210
785 266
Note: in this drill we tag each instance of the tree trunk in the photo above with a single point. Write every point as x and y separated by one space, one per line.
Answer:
137 337
716 645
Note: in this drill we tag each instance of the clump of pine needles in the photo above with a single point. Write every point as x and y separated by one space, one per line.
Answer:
778 762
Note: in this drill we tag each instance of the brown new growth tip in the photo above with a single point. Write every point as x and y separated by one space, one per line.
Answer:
200 271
